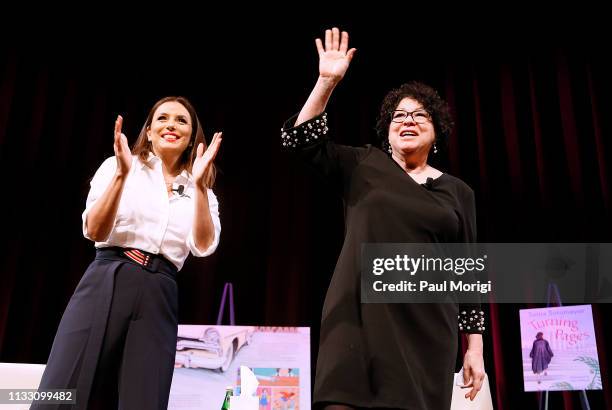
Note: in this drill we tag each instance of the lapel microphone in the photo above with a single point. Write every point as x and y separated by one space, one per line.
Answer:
180 190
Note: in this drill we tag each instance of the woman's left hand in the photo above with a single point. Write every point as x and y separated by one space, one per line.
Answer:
203 161
473 372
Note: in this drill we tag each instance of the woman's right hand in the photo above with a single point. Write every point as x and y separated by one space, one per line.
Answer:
334 60
335 57
122 149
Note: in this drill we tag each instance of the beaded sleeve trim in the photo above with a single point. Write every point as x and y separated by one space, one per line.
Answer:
307 133
471 321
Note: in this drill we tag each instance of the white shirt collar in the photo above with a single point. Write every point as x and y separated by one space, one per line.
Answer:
152 159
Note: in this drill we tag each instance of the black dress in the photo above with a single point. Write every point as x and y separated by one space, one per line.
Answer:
385 355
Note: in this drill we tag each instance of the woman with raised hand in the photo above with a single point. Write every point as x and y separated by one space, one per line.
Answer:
387 355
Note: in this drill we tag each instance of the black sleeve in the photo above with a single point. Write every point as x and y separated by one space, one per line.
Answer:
310 141
471 317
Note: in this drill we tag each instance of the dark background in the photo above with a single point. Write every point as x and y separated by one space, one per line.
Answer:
530 102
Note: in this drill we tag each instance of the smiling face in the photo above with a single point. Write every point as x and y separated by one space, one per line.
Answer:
170 129
409 136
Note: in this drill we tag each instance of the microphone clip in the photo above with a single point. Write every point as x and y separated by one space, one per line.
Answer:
181 191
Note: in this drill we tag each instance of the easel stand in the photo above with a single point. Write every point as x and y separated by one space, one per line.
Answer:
227 289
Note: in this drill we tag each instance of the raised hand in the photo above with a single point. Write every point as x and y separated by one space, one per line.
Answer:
203 160
122 149
335 57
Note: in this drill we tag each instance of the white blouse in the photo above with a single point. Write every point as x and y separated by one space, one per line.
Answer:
147 218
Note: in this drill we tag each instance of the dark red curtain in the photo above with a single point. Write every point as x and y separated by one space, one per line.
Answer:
531 137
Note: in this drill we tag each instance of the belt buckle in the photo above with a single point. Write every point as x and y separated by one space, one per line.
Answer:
138 256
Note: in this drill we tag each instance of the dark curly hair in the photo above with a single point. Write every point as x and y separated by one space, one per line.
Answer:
429 99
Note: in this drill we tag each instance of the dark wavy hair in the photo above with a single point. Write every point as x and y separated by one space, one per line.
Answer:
428 98
142 147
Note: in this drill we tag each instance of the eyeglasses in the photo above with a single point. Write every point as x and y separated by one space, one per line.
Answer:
418 116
